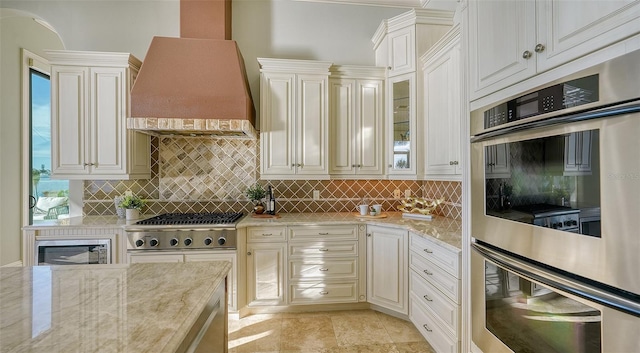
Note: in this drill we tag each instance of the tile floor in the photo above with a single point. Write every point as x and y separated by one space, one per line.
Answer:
364 331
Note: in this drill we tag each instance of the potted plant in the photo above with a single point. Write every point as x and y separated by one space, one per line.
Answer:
132 204
256 193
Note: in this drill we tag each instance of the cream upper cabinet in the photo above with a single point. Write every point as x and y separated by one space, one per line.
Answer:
294 119
89 107
398 43
514 40
442 107
387 268
402 125
356 103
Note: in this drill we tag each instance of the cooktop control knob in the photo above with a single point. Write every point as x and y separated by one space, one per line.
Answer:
188 241
173 242
139 242
153 242
208 241
221 241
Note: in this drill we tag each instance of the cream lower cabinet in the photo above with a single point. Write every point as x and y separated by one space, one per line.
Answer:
303 265
434 293
325 266
89 107
266 261
192 256
387 267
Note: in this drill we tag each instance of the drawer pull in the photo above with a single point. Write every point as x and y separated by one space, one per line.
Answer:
428 251
427 328
426 297
323 249
323 233
427 272
324 269
324 292
266 234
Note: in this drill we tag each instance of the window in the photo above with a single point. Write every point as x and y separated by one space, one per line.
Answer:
49 197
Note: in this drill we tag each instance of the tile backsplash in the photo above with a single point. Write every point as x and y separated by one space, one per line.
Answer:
191 174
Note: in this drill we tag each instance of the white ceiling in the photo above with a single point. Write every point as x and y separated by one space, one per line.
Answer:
428 4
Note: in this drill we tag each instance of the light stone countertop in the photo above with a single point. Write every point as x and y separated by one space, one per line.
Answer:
445 230
104 308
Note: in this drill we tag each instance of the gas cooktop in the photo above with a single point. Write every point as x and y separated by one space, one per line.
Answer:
193 218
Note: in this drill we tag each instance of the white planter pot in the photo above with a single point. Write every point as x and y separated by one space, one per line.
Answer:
132 213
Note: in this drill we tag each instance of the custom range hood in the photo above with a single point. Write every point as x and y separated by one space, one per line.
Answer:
195 85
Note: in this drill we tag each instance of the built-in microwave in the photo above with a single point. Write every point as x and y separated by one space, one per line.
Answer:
72 251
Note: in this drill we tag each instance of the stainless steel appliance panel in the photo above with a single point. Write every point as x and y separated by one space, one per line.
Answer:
73 252
517 307
608 259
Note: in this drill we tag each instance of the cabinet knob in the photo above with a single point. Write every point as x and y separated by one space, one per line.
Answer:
353 166
323 269
389 68
390 165
527 54
450 162
368 234
249 253
539 48
324 292
455 162
359 165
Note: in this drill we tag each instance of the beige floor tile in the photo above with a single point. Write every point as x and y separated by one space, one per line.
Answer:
371 348
359 329
399 330
307 333
414 347
257 333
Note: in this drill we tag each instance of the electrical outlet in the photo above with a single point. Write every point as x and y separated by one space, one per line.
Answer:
396 193
316 194
407 194
128 193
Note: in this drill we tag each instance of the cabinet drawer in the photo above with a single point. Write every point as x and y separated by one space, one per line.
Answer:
323 249
323 232
319 269
437 337
433 299
440 279
266 234
321 293
436 253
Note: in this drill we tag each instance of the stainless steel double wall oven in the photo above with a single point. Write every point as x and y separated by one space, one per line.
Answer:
556 215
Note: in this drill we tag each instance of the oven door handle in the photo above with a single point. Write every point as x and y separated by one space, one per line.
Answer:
558 281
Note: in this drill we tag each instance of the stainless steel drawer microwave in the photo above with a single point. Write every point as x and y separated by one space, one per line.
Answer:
72 251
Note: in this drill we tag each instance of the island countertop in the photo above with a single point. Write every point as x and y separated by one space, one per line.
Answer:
104 308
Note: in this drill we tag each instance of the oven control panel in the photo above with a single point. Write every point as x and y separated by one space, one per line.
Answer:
550 99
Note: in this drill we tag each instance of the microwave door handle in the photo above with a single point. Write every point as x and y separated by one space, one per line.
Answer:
102 254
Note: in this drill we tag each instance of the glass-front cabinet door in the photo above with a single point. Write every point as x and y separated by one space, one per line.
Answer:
402 125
